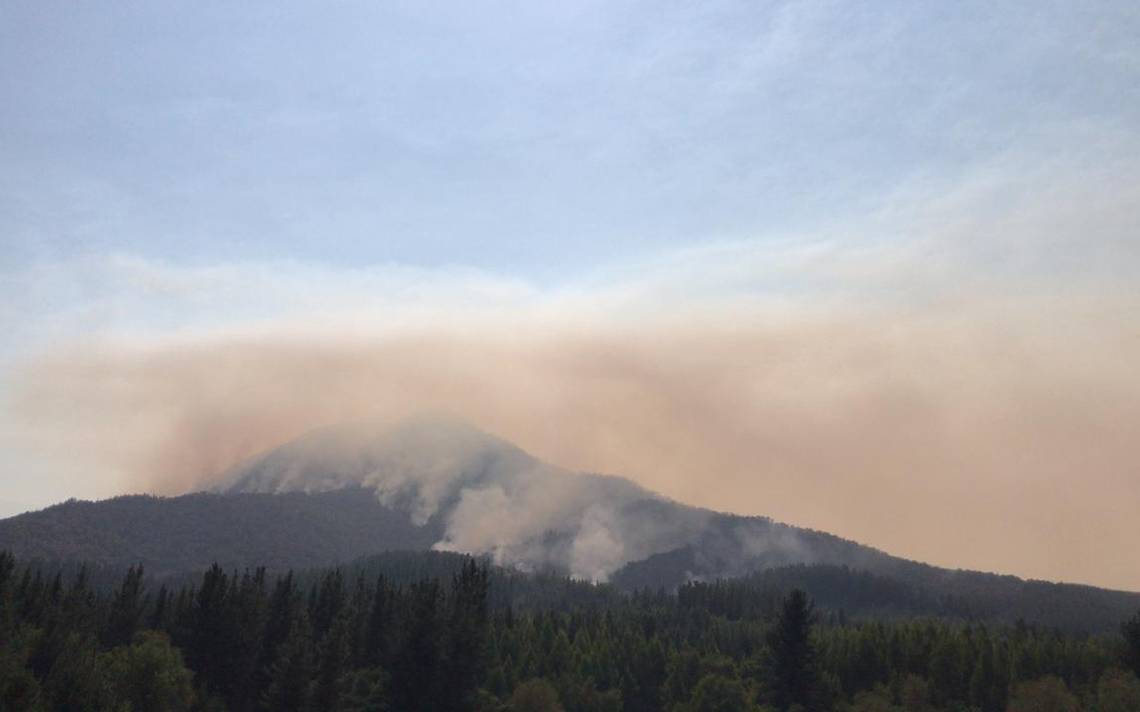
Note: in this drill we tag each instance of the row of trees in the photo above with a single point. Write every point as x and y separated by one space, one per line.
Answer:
482 639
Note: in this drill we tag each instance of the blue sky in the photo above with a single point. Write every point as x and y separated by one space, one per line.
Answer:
538 140
922 206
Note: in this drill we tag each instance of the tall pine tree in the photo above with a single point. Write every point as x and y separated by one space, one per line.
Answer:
793 678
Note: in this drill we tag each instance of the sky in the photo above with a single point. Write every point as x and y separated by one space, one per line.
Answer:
867 268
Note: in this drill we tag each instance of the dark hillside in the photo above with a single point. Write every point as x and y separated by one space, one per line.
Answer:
179 536
187 533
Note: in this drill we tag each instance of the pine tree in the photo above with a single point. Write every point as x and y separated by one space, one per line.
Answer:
284 604
415 679
248 614
126 609
32 597
1131 632
983 681
365 691
290 684
330 600
466 636
378 632
214 645
793 676
334 658
360 608
647 676
160 614
7 600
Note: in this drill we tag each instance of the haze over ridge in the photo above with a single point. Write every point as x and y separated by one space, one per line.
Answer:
487 496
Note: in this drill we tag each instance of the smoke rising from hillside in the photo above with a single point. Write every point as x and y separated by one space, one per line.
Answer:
950 377
890 427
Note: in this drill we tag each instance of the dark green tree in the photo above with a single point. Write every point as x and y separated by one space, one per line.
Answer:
948 670
1048 694
335 652
75 681
535 696
364 691
793 678
717 693
466 636
284 605
1118 691
290 680
249 613
1130 629
648 672
416 678
379 629
328 602
211 646
159 618
126 609
985 688
148 675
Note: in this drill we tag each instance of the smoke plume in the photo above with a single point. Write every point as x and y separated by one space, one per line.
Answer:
991 435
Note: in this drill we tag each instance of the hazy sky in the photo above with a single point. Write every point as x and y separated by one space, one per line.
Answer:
864 267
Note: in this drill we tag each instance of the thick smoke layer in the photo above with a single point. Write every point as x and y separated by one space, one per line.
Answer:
993 435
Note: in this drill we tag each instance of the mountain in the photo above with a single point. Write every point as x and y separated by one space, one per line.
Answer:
489 496
345 492
188 533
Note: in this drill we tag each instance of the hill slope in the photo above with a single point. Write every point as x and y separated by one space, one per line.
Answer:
341 493
188 533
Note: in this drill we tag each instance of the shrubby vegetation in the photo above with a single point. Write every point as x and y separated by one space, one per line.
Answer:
425 632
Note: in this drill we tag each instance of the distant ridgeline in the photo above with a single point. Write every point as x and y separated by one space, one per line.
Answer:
338 494
443 631
178 537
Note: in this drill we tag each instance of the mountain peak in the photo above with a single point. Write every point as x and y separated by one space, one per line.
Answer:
382 455
486 494
433 428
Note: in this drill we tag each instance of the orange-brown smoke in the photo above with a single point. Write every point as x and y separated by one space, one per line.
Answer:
997 437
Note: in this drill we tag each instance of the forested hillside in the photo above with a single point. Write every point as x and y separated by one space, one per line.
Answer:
444 632
171 535
173 538
905 588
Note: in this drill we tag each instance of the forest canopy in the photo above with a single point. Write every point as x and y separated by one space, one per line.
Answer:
418 631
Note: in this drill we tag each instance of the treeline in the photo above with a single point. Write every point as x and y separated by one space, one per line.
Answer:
905 589
431 633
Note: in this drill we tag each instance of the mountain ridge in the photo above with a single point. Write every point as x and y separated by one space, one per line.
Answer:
338 494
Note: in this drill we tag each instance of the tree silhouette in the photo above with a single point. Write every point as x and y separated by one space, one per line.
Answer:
1131 632
290 686
126 609
792 678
